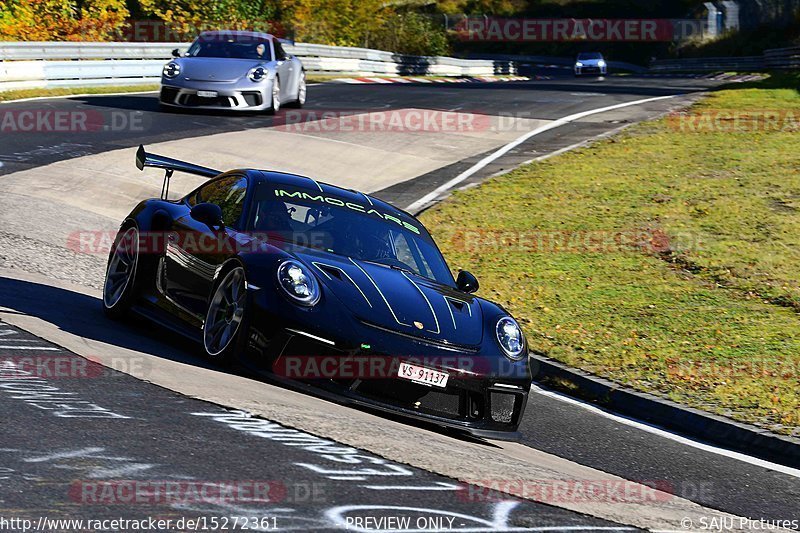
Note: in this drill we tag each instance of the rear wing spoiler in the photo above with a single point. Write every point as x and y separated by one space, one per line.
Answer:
143 159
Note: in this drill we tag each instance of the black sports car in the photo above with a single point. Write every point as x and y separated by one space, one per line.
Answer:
322 286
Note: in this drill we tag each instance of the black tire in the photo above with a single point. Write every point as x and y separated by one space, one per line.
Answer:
120 286
218 346
275 105
301 93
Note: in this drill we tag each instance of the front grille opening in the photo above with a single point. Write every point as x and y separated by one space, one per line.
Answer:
300 359
168 95
501 407
475 406
217 101
414 397
252 98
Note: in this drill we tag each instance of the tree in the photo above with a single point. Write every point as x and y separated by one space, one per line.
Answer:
337 22
101 20
47 20
481 7
36 20
412 33
187 18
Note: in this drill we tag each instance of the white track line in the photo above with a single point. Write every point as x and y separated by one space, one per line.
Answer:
46 348
510 146
789 471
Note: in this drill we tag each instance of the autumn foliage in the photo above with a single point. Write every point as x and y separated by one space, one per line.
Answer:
406 27
62 20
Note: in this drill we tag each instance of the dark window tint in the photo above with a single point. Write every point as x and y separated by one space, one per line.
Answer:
280 54
228 193
350 229
241 48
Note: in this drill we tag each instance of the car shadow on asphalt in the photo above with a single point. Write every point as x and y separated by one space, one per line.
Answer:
149 103
81 315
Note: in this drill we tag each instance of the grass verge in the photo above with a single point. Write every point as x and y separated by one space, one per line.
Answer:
665 258
36 93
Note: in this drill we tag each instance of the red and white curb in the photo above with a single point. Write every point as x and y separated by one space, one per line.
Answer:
420 79
735 78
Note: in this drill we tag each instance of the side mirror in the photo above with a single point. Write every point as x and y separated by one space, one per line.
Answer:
208 214
176 53
467 282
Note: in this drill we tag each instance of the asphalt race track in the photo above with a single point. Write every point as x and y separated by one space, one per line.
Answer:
108 444
76 445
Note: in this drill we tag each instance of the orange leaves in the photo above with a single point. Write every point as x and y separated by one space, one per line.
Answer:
61 20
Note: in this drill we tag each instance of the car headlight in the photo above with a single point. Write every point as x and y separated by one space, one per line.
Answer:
171 70
257 74
601 63
509 335
298 283
578 64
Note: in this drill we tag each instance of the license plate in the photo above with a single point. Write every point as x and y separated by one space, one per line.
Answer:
207 94
420 374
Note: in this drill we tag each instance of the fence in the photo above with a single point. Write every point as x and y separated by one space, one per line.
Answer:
71 64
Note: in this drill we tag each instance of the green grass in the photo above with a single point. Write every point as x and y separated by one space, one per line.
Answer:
35 93
700 302
322 78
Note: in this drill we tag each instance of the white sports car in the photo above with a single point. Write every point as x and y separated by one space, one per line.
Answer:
591 63
236 70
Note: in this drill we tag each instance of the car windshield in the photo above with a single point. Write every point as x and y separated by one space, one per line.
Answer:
589 56
231 48
362 232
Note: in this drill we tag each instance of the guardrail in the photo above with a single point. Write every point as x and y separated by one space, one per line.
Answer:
567 63
709 64
775 59
783 58
26 65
